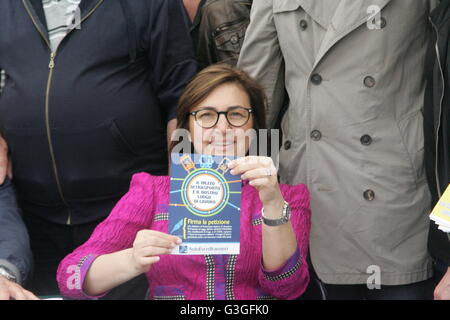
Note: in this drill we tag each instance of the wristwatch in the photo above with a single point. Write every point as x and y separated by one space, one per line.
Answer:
5 272
285 217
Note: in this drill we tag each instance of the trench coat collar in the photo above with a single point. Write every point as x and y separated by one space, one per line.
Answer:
321 11
349 15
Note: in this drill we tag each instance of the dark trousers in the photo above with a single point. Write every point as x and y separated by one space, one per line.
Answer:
416 291
51 243
317 290
314 291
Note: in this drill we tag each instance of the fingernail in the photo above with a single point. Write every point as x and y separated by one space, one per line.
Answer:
179 241
232 172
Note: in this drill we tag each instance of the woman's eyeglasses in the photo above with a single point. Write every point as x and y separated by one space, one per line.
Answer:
208 117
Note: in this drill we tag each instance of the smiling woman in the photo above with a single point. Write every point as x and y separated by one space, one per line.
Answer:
274 219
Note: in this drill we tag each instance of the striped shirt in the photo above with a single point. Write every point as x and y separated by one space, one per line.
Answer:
62 16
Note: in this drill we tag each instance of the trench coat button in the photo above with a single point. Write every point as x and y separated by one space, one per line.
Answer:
366 140
303 25
369 195
316 79
316 135
369 82
287 145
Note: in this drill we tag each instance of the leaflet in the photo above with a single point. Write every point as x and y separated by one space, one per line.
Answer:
205 202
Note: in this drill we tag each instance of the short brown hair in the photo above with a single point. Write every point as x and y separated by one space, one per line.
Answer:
210 78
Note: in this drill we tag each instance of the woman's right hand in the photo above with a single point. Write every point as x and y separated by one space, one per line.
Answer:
149 245
111 270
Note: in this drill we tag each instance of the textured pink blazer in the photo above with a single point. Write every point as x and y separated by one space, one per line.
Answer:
242 276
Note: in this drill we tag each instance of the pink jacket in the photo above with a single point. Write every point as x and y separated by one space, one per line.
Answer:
242 276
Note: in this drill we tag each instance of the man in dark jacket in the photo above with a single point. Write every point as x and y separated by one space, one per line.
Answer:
437 139
87 102
15 254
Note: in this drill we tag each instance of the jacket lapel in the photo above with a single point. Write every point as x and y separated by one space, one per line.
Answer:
36 12
86 6
320 11
349 15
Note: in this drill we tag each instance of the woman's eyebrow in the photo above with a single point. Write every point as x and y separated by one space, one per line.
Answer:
206 108
215 108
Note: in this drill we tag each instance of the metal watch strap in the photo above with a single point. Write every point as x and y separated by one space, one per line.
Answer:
285 217
5 272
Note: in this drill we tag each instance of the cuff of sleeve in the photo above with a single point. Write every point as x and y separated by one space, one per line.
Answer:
291 265
83 267
13 269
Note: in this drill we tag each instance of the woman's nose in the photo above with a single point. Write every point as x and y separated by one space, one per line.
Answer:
222 123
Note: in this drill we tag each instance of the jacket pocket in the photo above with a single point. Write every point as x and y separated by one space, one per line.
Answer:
137 142
32 170
121 141
411 131
94 163
228 40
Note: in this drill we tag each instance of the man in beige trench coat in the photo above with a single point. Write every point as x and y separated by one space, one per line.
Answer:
353 70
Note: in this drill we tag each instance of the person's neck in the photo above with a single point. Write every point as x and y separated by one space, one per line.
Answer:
191 8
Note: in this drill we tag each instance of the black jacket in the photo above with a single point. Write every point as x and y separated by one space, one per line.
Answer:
437 122
15 253
79 124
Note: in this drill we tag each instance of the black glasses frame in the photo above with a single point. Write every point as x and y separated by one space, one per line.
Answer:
249 110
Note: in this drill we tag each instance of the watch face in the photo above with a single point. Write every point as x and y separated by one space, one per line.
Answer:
278 222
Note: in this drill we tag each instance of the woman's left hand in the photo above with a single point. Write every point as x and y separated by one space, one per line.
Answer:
262 174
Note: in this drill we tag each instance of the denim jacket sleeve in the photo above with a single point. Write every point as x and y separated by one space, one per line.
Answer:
15 253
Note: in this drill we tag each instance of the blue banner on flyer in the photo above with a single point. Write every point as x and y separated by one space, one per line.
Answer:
205 201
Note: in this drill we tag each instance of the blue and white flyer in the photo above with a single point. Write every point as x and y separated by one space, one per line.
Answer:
205 201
